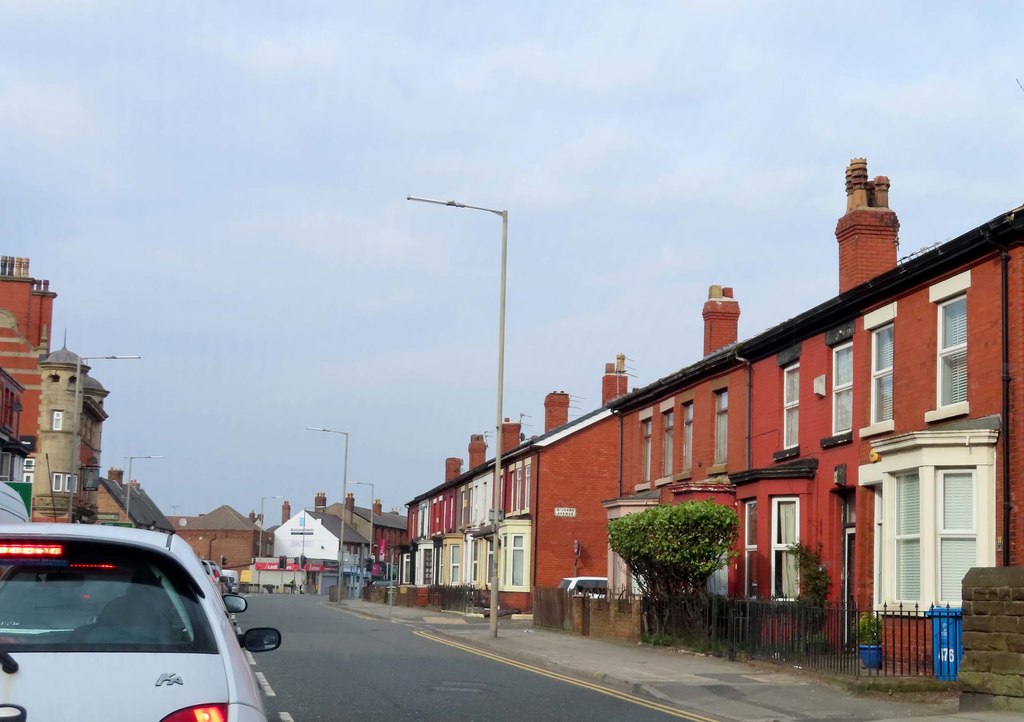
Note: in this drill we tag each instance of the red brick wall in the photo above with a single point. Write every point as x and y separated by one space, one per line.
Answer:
580 472
238 546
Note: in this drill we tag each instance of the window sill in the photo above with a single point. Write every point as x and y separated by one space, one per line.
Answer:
882 427
837 440
683 475
789 453
642 487
947 412
717 469
663 481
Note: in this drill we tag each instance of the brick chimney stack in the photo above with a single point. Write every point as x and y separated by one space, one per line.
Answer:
286 511
510 431
477 450
615 382
377 507
721 319
556 410
350 502
868 234
452 467
116 475
320 501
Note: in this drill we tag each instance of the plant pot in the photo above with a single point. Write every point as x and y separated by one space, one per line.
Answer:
871 656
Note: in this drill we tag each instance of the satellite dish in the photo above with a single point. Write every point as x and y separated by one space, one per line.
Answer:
182 521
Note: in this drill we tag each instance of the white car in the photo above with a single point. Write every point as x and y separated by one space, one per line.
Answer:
592 586
101 623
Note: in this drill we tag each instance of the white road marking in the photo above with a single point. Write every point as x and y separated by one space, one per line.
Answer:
249 658
285 717
265 685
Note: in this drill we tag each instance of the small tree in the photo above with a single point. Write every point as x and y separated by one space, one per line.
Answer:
672 551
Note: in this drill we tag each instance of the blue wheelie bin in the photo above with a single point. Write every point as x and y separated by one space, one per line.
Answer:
947 641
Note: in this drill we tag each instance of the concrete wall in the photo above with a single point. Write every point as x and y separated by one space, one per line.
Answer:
992 671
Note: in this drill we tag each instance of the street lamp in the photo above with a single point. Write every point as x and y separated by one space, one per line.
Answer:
344 496
77 441
373 496
259 553
128 486
495 499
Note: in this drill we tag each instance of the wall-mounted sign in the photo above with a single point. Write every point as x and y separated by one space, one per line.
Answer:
107 516
569 511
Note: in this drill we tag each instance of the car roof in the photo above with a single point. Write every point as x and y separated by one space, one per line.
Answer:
163 542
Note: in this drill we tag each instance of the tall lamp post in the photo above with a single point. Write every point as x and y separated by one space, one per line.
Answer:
78 419
259 552
373 497
344 495
495 499
128 486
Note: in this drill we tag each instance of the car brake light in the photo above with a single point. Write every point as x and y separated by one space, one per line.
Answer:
31 550
199 713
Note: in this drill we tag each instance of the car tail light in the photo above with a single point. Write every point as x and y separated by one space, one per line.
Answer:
41 551
199 713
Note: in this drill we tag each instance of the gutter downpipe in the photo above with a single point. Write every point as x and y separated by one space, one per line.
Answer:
750 405
1007 384
1007 380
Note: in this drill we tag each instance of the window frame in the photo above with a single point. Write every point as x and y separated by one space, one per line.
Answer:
790 408
881 374
455 565
750 549
842 389
57 420
783 547
954 534
687 436
668 432
722 426
899 590
646 429
944 353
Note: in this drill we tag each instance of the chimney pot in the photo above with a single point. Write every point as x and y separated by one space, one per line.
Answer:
868 234
614 381
721 319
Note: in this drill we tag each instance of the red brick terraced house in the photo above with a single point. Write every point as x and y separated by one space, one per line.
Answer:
551 520
879 426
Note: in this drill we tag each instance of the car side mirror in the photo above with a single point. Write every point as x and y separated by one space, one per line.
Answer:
234 603
260 639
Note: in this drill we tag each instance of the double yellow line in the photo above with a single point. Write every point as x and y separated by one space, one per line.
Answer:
624 696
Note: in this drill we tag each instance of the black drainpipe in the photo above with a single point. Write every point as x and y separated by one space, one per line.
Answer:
1004 274
1007 383
620 451
750 401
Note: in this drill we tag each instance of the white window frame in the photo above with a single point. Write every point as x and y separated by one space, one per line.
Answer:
64 483
842 390
517 560
455 565
646 429
882 375
790 408
721 426
749 548
945 352
668 435
952 534
474 557
879 544
28 476
905 538
57 420
783 547
517 487
527 468
30 463
688 436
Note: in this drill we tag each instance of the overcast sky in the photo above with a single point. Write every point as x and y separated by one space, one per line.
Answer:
220 188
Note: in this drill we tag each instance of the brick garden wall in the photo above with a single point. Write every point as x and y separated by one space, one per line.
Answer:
992 671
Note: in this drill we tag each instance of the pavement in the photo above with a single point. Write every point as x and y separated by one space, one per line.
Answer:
694 683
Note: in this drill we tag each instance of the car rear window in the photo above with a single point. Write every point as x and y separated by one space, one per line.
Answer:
81 596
